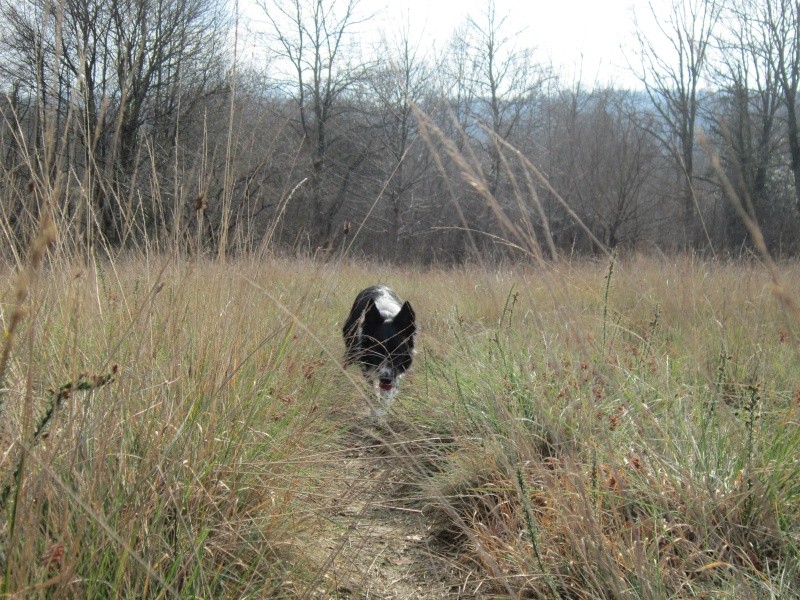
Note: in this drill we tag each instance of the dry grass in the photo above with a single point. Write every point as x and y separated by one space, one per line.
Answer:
180 473
657 463
559 440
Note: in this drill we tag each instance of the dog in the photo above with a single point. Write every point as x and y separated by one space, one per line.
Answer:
379 336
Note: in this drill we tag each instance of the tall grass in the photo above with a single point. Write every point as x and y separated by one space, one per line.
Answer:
580 439
636 487
148 481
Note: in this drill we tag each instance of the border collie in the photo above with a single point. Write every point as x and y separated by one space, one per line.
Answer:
379 336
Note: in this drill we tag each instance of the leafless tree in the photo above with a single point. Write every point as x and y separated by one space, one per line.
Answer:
673 64
399 84
317 43
597 152
745 114
618 161
490 84
127 71
781 18
502 78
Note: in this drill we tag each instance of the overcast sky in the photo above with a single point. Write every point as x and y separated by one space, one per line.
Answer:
583 39
578 36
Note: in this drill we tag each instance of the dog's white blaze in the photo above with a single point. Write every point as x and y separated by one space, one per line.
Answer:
387 306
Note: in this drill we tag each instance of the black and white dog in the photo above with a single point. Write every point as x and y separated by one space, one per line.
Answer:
379 336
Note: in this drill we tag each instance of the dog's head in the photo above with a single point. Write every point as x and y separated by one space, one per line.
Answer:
387 345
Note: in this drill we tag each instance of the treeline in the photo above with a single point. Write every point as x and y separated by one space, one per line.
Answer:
139 123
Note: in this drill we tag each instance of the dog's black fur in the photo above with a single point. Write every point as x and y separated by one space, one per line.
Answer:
379 336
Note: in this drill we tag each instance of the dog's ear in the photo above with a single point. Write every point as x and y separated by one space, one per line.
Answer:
372 316
405 318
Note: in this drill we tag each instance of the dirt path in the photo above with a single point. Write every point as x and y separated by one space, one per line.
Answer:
380 547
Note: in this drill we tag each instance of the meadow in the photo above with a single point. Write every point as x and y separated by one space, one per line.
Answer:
182 427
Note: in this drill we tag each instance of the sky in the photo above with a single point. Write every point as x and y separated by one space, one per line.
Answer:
583 39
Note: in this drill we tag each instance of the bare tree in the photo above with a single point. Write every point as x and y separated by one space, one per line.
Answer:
400 83
490 84
782 21
673 63
316 39
745 115
618 159
503 79
126 70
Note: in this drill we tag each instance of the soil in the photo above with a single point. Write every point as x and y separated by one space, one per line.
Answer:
380 546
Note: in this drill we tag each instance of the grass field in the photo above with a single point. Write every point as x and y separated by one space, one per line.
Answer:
176 427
